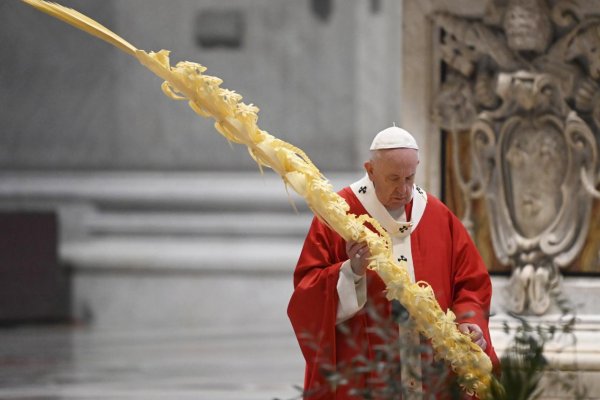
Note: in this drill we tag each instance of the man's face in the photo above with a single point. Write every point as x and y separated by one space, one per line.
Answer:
393 175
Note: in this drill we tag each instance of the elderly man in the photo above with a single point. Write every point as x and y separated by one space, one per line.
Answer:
338 304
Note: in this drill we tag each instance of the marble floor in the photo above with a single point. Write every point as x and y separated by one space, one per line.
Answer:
52 363
210 363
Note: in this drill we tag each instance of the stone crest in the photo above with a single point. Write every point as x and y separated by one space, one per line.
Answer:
523 82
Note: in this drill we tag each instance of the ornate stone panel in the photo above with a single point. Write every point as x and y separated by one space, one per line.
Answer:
522 82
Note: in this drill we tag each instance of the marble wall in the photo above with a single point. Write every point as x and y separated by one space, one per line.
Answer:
70 101
133 175
57 102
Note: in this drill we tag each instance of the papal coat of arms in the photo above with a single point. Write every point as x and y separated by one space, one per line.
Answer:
523 82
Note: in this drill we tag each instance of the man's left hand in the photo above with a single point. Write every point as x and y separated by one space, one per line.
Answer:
475 332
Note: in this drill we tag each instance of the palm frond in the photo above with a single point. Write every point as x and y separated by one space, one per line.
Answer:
82 22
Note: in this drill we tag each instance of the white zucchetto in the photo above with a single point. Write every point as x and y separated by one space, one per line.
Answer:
393 138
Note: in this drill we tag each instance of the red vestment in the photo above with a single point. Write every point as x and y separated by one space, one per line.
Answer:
444 256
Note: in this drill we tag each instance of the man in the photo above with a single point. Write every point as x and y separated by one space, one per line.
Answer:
331 309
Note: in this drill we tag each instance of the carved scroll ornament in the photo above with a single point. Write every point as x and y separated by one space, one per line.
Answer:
530 158
524 81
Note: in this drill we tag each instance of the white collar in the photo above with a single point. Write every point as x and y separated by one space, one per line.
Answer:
364 190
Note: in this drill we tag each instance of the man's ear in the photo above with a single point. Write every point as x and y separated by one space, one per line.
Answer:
369 168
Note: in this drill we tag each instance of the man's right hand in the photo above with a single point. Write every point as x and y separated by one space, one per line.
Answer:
358 253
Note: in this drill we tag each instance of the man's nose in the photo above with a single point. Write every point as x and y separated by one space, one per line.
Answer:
404 188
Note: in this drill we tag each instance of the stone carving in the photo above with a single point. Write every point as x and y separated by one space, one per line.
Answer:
524 80
530 154
527 25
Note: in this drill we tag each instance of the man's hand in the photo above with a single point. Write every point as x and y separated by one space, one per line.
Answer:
358 253
475 332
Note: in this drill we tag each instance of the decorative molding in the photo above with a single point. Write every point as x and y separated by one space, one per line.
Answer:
523 80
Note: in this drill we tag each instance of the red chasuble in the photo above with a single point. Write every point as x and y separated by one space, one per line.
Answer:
443 256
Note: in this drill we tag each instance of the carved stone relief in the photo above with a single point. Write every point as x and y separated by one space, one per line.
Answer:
523 81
